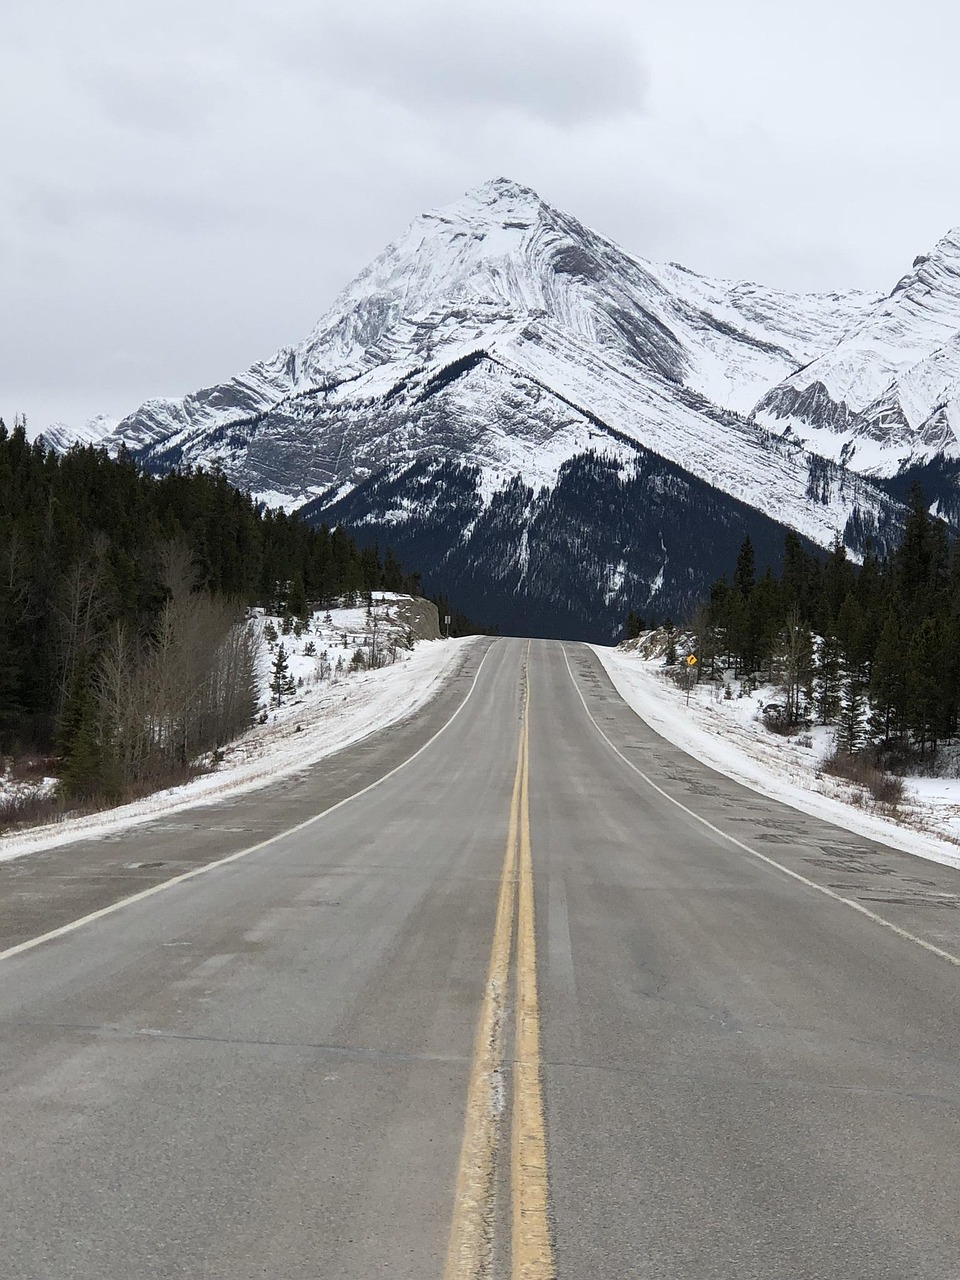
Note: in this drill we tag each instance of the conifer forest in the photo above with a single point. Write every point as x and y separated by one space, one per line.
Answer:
873 649
124 650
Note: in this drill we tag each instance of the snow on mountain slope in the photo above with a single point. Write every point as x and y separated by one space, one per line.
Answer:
98 430
741 333
887 396
503 333
499 257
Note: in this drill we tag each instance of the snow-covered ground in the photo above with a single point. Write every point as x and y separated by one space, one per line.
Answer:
325 712
23 784
729 736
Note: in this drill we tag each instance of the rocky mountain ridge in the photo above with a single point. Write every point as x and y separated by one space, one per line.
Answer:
501 336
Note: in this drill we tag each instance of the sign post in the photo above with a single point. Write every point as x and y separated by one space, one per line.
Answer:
690 666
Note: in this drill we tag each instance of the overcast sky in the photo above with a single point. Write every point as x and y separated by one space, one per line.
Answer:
186 184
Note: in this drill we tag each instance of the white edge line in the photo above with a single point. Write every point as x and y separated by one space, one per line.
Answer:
762 857
176 799
73 925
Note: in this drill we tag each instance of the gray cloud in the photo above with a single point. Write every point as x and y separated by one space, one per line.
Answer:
564 65
187 186
152 99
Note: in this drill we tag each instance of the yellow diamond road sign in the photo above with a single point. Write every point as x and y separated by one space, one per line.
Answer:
691 660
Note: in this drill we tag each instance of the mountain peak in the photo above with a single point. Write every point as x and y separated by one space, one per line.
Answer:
936 267
497 189
496 200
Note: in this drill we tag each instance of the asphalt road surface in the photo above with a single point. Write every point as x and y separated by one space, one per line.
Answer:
545 997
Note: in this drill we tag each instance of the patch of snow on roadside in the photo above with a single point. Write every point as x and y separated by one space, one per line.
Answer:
729 736
322 716
14 788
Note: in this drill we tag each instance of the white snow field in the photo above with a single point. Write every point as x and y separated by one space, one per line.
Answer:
730 737
322 715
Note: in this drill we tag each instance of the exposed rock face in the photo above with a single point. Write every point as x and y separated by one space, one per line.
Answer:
886 397
420 617
499 339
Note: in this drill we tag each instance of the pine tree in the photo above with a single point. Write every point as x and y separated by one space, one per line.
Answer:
795 575
83 774
670 657
913 555
764 621
280 681
743 576
856 639
296 606
827 679
635 625
719 612
852 716
55 508
838 579
11 707
888 680
924 709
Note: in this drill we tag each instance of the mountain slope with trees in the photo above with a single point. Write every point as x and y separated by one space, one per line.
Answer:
499 338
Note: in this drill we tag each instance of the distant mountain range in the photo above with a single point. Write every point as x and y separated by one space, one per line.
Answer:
555 431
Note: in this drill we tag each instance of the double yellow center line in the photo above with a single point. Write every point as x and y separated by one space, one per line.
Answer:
471 1245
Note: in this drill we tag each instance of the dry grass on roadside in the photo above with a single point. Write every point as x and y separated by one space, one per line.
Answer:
886 790
29 808
34 806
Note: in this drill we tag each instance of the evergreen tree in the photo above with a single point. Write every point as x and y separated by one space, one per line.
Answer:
924 710
889 633
635 625
838 580
855 637
888 680
670 657
852 717
11 706
796 578
83 774
281 683
719 613
913 556
827 679
743 577
296 605
764 623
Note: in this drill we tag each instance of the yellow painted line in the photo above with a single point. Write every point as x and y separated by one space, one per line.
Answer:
71 927
468 1250
949 956
531 1249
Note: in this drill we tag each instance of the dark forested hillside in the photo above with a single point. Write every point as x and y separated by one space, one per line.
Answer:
112 581
565 562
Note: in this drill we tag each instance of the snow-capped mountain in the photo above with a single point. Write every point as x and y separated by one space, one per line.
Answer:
468 388
887 395
511 299
99 430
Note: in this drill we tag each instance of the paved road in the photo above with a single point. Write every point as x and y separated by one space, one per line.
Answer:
552 998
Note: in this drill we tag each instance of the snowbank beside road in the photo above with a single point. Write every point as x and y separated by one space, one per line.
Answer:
729 737
315 722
